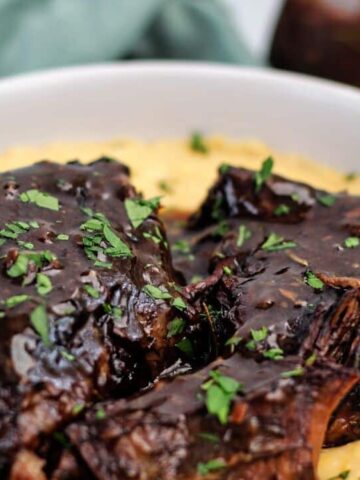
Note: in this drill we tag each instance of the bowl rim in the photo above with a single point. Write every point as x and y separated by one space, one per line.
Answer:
163 68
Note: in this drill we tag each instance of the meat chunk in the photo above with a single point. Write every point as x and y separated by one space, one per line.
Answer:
278 412
88 292
279 264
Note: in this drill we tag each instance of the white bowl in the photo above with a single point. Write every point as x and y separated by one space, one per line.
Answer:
290 112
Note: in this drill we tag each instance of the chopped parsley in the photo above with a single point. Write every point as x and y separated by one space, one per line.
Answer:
281 210
19 267
220 392
78 408
40 322
185 346
164 186
257 336
182 246
352 242
68 356
25 245
263 174
297 372
351 176
175 327
179 303
326 200
100 414
156 293
313 281
243 235
209 437
309 362
234 340
221 229
102 240
197 143
43 284
138 209
156 236
91 291
341 476
40 199
227 270
210 466
62 236
274 354
275 243
114 311
224 168
15 300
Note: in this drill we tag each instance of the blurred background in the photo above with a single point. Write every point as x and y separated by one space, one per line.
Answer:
317 37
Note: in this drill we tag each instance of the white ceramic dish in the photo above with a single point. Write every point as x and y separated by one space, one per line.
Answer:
290 112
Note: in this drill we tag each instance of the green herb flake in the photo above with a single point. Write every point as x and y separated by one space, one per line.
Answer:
68 356
243 235
18 268
296 372
78 408
326 200
197 143
233 341
100 414
275 243
156 293
179 303
210 466
351 176
209 437
309 362
25 245
186 347
352 242
224 168
313 281
341 476
165 187
91 291
62 236
12 302
43 284
40 199
263 174
175 327
182 246
282 210
220 392
274 354
34 224
138 210
40 322
227 271
257 336
221 229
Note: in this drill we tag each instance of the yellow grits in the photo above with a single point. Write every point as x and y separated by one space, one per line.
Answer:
188 174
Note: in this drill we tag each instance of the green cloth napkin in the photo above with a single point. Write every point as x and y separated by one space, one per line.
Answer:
38 34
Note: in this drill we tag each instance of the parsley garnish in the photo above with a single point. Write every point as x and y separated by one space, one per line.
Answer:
18 268
224 168
138 210
68 356
243 235
210 466
327 200
186 347
40 199
62 236
313 281
78 408
43 284
209 437
179 303
257 336
164 186
25 245
100 414
91 291
275 243
156 293
309 362
227 270
40 322
352 242
351 176
281 210
12 302
114 311
234 340
182 246
341 476
156 236
220 392
175 327
197 143
221 229
274 354
263 174
297 372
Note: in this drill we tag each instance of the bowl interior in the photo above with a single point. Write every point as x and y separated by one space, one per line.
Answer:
148 100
